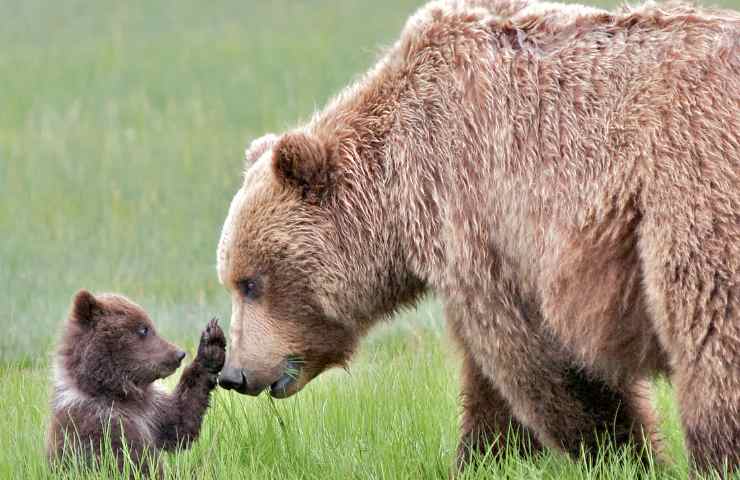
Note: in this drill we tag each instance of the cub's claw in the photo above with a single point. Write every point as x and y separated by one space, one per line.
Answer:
212 347
213 334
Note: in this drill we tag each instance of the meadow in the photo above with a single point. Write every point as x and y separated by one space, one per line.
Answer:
122 127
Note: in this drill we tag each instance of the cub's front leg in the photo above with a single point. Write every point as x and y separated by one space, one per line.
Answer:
182 412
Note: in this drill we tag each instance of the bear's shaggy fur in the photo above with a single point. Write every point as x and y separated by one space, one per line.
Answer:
565 179
103 383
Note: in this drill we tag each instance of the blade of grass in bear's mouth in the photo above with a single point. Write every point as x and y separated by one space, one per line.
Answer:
293 367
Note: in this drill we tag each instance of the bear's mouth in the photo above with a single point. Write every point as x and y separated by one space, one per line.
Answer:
287 383
285 386
165 371
282 388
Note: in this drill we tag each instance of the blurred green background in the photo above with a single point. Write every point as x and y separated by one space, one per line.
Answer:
122 130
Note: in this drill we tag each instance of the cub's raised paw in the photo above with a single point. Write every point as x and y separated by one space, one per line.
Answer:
212 347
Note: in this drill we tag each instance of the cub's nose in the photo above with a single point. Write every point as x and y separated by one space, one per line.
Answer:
232 379
180 355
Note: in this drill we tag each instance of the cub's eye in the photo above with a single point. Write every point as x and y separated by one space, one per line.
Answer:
249 288
142 332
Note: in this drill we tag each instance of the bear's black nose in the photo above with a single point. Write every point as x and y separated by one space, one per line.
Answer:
180 355
232 378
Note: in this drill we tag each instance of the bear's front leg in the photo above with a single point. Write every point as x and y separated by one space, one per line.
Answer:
182 413
564 406
488 425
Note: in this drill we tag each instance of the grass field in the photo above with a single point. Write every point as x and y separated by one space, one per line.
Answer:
122 126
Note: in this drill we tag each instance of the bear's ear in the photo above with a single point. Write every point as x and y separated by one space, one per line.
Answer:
259 146
84 308
302 161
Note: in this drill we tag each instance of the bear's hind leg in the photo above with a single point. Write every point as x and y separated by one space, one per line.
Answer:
690 248
706 374
705 354
545 389
709 400
488 426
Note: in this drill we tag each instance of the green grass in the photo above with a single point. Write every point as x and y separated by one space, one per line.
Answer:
122 127
393 416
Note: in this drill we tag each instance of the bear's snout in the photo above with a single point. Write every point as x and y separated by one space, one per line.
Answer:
253 382
232 379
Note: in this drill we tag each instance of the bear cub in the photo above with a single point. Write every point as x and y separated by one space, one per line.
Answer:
104 373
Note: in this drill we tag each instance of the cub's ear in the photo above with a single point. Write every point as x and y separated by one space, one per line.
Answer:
302 161
84 308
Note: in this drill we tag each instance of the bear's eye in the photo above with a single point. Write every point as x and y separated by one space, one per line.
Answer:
142 332
249 288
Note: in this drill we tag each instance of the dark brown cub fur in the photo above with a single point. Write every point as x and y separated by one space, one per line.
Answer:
105 370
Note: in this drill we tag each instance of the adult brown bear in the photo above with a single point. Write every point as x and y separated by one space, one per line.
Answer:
565 179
